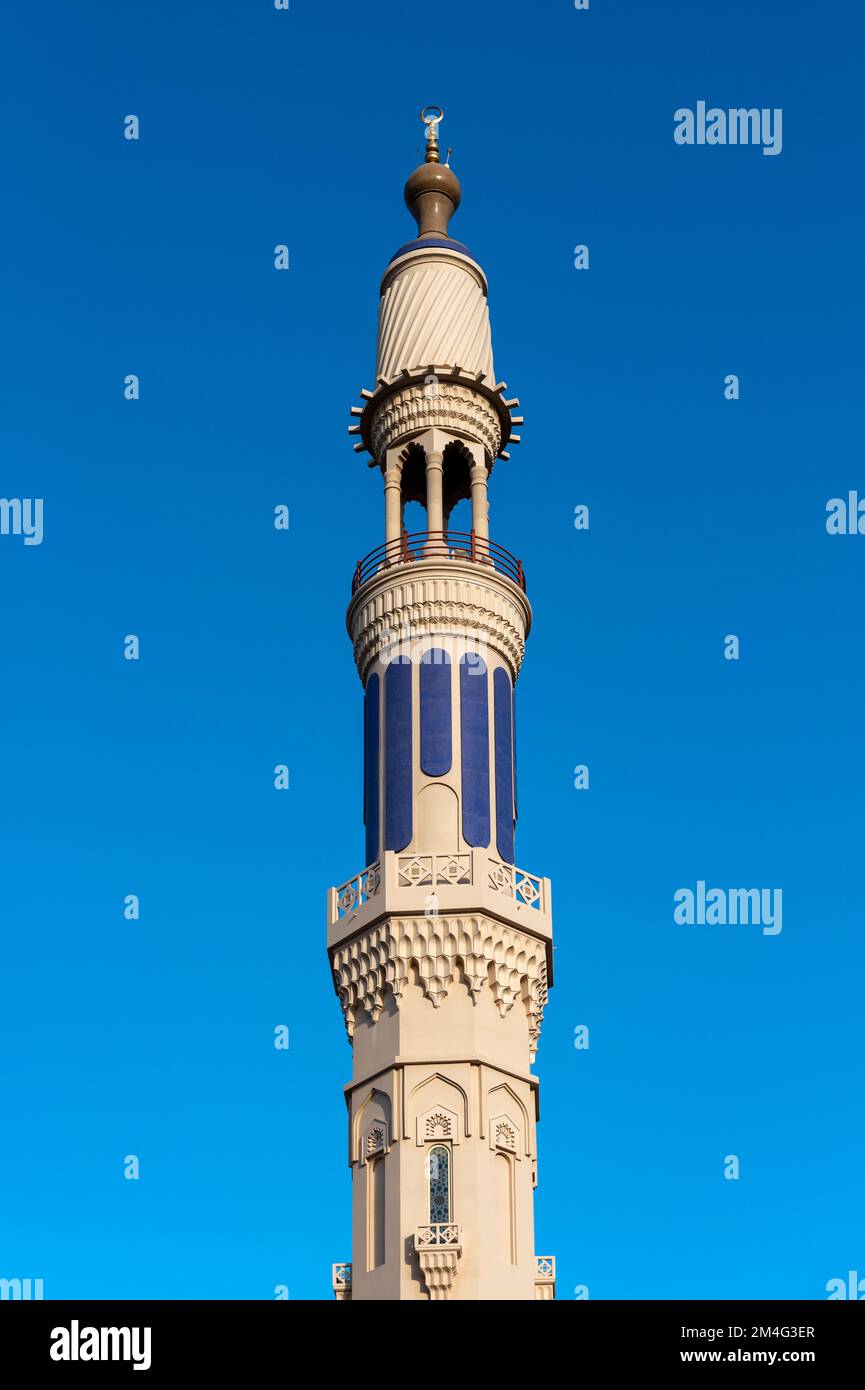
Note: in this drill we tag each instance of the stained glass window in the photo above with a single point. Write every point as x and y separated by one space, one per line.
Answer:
439 1184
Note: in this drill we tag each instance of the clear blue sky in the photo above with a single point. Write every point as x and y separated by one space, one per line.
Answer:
707 518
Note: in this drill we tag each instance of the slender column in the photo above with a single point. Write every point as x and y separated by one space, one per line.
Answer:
480 506
392 507
434 504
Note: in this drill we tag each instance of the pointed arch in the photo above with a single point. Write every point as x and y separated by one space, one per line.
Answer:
446 1087
493 1105
457 462
375 1107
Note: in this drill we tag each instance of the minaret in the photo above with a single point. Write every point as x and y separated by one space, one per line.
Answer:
441 949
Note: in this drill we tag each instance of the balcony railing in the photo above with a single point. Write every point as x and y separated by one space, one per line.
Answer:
440 1233
545 1277
439 545
432 871
342 1281
358 890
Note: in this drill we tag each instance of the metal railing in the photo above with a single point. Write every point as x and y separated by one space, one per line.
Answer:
448 545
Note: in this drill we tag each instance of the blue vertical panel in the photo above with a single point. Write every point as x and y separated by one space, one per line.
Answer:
475 750
514 726
397 754
503 739
371 770
436 753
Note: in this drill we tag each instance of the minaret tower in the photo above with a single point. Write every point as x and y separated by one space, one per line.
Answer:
441 949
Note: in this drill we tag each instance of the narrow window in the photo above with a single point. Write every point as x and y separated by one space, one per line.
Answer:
439 1185
375 1213
504 1194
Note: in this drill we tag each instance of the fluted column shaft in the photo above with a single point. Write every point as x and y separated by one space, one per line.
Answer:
434 502
392 506
480 506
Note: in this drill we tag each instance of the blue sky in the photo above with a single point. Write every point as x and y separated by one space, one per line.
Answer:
707 518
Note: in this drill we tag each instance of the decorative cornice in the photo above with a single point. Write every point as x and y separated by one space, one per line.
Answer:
491 955
418 254
434 374
435 404
396 611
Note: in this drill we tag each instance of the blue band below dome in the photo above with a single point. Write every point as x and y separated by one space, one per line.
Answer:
438 243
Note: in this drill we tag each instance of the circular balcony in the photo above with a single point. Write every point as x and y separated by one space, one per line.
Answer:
439 545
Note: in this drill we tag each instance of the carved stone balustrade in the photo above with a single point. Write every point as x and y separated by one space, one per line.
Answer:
447 913
545 1277
436 884
342 1282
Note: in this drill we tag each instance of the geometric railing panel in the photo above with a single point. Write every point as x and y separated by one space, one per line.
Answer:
353 894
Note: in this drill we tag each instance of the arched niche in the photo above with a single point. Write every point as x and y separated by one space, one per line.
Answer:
439 1091
437 819
457 464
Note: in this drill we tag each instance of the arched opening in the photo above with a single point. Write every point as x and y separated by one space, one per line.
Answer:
413 489
456 486
460 519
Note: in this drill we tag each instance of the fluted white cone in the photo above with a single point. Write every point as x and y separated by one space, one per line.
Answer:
434 311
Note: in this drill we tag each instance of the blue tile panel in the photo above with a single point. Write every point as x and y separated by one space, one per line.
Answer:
503 732
436 716
371 757
398 754
475 748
